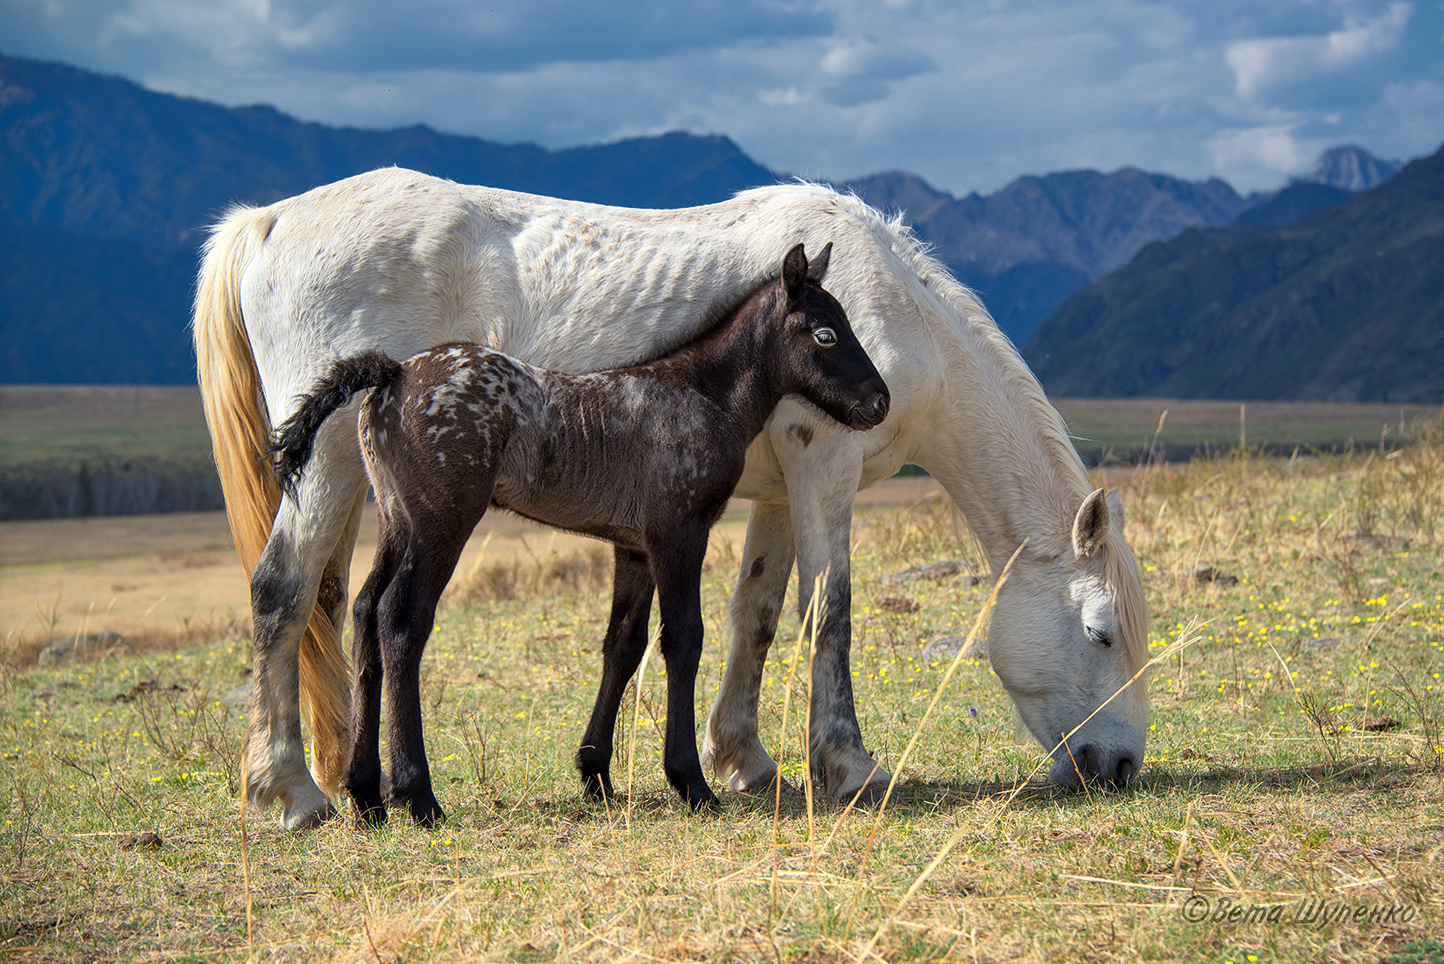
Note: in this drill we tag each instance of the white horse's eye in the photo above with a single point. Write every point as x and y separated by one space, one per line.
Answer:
1099 636
826 337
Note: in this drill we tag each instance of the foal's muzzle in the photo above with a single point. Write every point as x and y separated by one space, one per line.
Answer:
865 415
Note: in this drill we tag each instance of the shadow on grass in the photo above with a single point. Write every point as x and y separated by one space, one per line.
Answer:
919 798
922 797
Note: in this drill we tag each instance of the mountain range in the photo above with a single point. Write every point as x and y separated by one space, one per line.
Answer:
106 188
1032 244
1346 304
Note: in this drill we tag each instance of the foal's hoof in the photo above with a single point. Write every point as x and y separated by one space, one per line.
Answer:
597 787
370 817
703 800
428 816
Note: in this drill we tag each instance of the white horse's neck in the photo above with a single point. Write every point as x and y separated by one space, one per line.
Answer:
1010 465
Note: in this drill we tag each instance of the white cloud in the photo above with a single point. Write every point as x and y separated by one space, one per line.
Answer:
1242 154
1259 64
968 94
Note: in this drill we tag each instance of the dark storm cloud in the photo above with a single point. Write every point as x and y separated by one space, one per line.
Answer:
378 35
967 93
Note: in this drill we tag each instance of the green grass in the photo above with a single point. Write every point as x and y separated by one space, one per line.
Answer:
1129 425
1294 756
68 424
43 425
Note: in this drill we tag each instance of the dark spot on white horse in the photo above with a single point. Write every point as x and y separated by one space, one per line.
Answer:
331 593
803 434
758 567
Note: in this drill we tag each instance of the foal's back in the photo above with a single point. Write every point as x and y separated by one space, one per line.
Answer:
612 455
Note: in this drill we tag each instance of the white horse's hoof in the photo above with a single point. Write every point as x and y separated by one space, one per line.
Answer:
872 792
746 770
848 769
304 811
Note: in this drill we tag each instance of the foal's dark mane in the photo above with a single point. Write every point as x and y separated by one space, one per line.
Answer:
714 322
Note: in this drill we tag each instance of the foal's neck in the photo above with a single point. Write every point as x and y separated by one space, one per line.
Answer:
728 367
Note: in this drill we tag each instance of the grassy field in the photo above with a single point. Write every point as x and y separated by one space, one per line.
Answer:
1128 426
47 424
1291 805
67 424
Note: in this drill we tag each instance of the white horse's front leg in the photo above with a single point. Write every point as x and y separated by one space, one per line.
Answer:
822 480
732 746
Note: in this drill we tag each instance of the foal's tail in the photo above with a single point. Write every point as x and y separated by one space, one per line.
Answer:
231 396
290 447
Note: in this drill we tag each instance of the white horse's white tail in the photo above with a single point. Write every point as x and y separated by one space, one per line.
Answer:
231 396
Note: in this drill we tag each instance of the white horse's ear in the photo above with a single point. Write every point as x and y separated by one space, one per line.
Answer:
1116 515
794 271
818 267
1091 524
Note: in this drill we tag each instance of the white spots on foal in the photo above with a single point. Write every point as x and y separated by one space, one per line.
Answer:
460 395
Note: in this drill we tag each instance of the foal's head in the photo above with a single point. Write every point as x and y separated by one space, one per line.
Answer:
814 353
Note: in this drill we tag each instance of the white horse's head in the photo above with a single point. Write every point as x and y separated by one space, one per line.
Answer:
1069 632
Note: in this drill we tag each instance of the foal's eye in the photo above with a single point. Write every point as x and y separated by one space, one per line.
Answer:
826 337
1099 636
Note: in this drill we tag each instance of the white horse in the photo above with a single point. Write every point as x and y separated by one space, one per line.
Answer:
400 262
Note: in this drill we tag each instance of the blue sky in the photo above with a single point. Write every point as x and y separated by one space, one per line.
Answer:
967 94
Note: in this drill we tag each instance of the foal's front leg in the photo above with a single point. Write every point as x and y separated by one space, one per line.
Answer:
678 572
622 650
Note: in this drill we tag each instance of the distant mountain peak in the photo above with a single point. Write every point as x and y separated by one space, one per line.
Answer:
1352 168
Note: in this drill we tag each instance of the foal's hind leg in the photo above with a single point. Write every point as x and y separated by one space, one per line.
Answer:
363 770
732 746
406 616
622 650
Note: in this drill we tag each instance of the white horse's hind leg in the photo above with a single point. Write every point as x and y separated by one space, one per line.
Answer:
331 597
822 481
732 746
304 540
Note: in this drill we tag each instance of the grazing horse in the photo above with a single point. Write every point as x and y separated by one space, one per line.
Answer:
644 457
399 262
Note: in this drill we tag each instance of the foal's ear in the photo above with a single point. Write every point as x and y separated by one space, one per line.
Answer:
818 268
794 272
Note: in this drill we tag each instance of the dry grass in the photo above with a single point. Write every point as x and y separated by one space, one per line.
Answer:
1294 758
